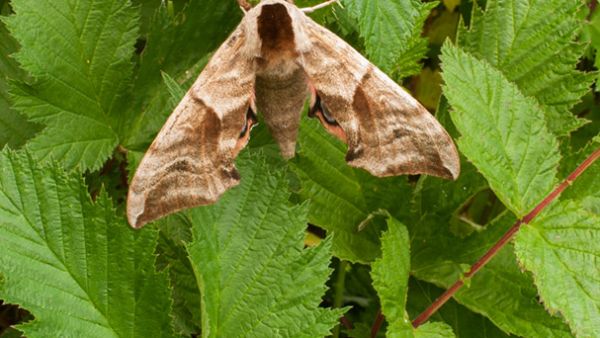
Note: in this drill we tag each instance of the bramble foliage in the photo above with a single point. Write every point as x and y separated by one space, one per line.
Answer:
85 85
72 261
390 278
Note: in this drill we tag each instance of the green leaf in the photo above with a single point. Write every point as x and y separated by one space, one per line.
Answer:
464 322
433 330
174 88
172 256
12 333
361 330
441 257
358 291
392 32
561 249
147 10
503 131
443 197
342 197
505 294
390 278
79 53
76 266
534 47
15 130
588 183
390 275
594 32
253 273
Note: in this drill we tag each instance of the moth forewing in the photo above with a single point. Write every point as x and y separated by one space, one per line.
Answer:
274 60
190 162
388 132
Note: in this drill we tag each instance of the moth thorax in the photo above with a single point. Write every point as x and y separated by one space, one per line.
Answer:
275 30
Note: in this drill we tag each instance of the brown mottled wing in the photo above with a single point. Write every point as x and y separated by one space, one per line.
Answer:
191 161
387 131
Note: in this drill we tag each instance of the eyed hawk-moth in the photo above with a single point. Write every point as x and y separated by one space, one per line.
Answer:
274 61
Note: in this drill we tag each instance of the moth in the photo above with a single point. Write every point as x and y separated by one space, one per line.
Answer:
274 61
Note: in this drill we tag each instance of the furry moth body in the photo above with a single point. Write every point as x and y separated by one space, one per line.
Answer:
275 59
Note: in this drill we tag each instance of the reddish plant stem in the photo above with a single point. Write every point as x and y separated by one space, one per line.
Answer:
592 6
441 300
377 324
449 293
346 322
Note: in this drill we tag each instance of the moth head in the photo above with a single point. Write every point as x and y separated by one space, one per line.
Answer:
275 24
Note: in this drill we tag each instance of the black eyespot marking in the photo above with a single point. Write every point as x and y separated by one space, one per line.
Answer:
354 154
327 114
230 173
251 122
312 112
232 40
319 108
398 133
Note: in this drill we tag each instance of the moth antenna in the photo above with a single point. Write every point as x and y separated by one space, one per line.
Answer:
244 5
308 10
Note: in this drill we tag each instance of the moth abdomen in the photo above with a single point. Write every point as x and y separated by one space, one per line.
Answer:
280 99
